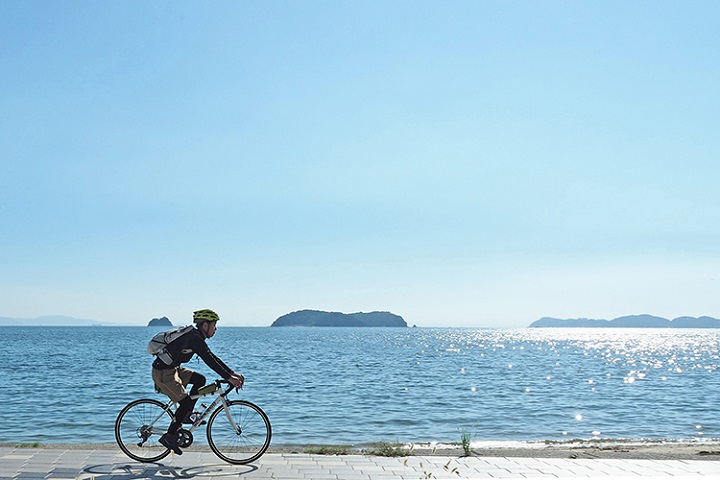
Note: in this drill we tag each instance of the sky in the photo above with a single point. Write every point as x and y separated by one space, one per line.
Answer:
458 163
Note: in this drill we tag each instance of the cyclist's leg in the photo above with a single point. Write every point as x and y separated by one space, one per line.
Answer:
185 408
170 383
188 377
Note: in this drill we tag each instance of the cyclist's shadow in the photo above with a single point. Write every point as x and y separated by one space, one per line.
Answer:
130 471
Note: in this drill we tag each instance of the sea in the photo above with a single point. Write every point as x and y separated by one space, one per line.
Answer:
356 386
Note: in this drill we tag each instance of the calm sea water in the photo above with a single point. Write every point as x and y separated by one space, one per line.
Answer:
353 386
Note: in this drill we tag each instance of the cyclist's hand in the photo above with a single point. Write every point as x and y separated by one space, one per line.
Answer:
237 380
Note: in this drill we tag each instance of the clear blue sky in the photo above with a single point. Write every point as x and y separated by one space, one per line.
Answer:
460 163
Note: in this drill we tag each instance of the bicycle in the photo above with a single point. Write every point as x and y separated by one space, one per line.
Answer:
240 436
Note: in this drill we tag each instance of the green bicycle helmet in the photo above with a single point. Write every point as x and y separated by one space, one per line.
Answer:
205 315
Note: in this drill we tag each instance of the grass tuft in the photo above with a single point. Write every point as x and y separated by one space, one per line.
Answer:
388 449
28 445
465 438
329 450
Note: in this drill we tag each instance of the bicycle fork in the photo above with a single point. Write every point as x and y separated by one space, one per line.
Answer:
236 427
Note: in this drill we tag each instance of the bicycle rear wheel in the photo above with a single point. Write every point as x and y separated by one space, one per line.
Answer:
239 434
138 428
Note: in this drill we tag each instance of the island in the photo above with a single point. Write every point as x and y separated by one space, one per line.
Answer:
160 322
629 321
317 318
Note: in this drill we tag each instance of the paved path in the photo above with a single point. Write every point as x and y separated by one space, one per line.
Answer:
60 464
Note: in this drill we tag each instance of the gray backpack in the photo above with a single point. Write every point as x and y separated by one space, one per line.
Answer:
159 342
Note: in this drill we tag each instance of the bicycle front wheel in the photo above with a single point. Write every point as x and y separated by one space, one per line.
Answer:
138 428
240 433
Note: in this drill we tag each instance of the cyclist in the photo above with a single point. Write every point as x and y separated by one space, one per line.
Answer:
172 379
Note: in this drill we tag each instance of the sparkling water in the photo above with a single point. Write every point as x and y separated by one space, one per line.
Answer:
355 386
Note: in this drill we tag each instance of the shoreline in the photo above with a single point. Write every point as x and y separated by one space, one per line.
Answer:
587 450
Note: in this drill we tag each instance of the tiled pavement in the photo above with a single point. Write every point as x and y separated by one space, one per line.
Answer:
60 464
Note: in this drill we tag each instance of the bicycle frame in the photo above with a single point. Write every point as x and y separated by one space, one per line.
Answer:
221 398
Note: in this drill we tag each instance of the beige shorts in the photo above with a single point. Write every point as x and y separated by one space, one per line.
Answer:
172 382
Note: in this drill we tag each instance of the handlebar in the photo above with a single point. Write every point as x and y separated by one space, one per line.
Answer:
213 387
226 382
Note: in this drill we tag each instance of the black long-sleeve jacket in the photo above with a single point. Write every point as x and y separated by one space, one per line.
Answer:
183 348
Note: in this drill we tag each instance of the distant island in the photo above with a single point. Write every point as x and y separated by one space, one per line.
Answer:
317 318
160 322
629 321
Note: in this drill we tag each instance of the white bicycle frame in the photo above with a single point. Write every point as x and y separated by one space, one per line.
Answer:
198 421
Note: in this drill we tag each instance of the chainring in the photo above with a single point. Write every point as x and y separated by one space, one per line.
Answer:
185 438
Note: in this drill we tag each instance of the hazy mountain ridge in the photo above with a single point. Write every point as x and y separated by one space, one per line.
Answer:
629 321
57 321
51 321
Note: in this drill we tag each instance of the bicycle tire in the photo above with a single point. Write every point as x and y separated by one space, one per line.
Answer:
132 424
244 446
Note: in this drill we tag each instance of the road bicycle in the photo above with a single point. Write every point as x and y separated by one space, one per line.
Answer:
238 431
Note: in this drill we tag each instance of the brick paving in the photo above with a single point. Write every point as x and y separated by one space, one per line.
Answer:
60 464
